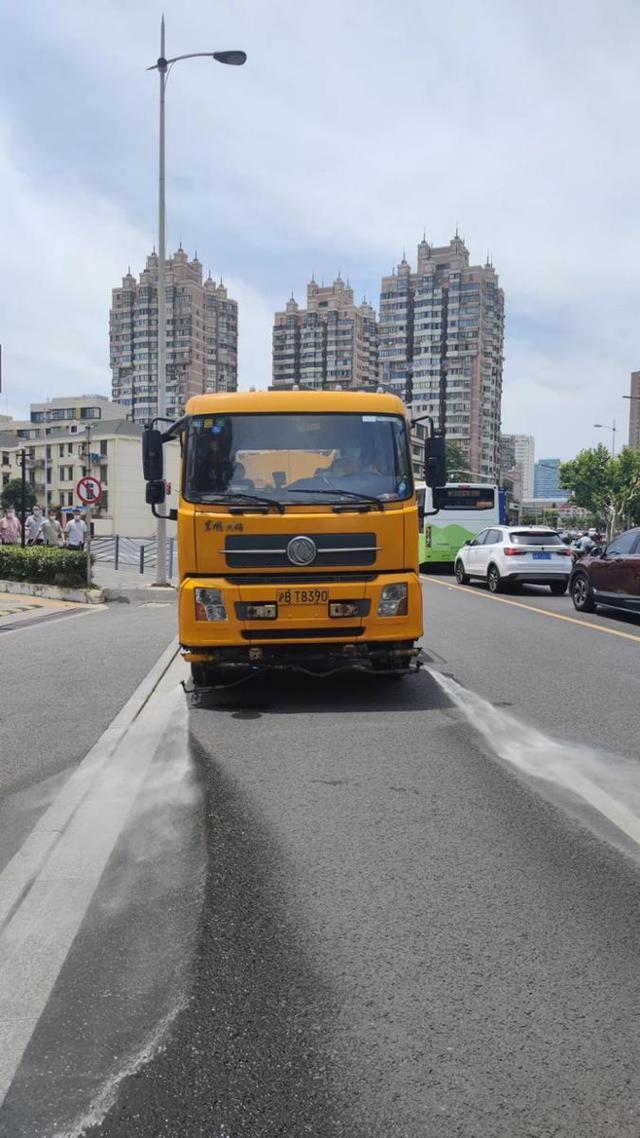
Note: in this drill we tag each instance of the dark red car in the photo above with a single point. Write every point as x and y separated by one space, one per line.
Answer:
610 578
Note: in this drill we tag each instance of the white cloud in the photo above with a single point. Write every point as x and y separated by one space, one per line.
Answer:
61 256
348 130
255 321
57 255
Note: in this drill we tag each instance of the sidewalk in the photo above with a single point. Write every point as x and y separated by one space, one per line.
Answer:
127 584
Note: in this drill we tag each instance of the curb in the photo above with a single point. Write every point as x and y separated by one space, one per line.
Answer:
53 592
130 593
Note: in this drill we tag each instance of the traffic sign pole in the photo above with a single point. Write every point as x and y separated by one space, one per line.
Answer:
88 512
89 491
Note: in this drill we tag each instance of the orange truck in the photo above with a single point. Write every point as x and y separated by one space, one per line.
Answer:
297 532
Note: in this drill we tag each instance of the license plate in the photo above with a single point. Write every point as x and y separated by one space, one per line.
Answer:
542 557
302 597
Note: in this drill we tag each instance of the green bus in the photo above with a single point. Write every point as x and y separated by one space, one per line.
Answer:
463 509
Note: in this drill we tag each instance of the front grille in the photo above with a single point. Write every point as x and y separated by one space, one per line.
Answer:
299 578
267 551
303 634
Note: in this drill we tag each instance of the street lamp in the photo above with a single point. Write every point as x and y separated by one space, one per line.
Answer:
612 428
163 66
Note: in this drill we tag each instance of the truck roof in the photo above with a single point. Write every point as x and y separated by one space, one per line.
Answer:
281 402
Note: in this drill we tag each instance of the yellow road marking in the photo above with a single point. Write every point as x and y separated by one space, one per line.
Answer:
531 608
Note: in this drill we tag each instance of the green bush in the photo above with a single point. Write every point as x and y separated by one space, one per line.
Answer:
44 566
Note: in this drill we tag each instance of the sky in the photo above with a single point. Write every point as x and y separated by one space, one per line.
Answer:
351 130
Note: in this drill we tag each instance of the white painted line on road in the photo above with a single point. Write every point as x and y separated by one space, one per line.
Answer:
25 864
464 589
582 770
51 618
45 890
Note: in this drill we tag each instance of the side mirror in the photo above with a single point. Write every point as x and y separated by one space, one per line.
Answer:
152 456
436 462
439 496
468 541
155 492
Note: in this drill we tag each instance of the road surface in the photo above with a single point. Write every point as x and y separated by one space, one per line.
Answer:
374 910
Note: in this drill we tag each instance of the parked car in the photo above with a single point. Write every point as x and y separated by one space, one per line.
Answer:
514 555
609 576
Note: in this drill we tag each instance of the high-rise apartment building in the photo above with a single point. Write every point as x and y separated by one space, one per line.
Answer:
634 411
202 337
517 452
444 324
331 342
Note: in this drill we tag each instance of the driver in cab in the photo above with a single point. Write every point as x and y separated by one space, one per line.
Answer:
212 468
349 461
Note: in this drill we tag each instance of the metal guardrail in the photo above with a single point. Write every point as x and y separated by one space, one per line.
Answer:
132 553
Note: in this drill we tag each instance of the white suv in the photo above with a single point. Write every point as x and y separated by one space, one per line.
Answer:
513 555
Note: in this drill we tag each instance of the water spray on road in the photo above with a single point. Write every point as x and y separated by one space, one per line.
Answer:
607 782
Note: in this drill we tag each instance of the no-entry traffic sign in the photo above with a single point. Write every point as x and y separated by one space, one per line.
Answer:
89 490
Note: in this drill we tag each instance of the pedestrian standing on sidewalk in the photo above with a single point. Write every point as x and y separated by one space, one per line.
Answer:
10 528
33 527
75 531
52 530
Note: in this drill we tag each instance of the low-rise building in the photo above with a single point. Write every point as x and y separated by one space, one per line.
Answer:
67 413
7 442
110 451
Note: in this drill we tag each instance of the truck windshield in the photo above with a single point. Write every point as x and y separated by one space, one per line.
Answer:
297 458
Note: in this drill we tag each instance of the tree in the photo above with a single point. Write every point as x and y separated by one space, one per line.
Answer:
608 487
12 495
457 461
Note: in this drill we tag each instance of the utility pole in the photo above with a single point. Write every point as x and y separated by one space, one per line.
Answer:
161 525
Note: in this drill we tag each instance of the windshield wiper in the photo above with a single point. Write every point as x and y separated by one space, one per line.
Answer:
346 493
239 497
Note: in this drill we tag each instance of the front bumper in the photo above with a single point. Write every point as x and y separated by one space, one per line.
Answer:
299 629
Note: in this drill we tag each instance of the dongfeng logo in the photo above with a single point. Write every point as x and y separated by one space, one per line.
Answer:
301 551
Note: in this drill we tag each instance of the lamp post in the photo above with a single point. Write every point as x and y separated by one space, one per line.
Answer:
163 67
609 427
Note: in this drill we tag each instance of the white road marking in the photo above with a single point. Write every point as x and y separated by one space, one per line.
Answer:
51 618
45 890
608 783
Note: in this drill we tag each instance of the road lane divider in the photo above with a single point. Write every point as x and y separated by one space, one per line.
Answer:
609 783
469 592
46 888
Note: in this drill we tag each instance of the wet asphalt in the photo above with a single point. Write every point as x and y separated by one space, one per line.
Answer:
365 924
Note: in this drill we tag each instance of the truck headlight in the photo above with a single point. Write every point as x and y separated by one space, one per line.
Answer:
210 605
394 600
